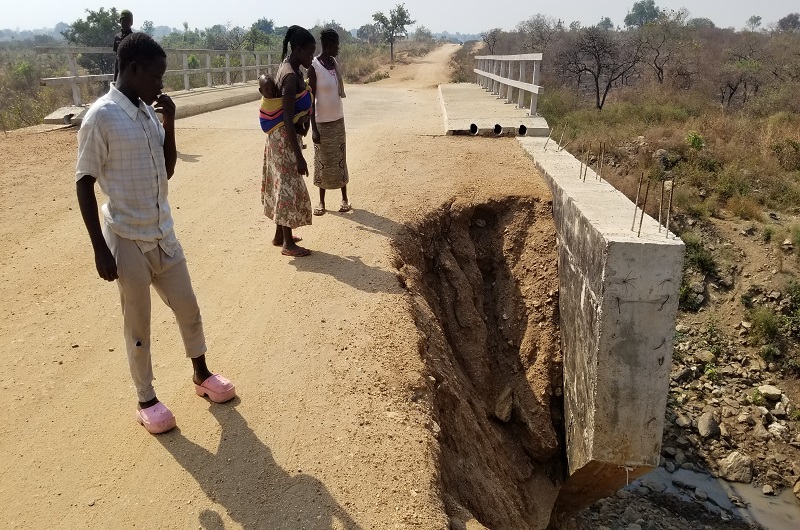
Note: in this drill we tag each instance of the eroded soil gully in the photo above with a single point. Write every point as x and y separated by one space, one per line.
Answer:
484 283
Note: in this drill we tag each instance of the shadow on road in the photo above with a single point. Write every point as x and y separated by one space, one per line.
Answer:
349 270
243 477
188 158
372 222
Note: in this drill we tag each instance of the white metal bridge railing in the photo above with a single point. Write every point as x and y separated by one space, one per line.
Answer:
505 75
75 80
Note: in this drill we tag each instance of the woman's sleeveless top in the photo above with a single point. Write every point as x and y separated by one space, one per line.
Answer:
328 104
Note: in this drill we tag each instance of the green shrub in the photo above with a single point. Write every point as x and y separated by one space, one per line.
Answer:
766 325
695 141
767 233
757 398
770 353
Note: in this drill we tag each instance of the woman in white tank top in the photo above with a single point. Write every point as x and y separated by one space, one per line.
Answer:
327 122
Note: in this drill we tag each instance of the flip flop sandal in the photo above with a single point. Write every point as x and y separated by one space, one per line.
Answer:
299 252
319 210
345 207
217 388
295 238
156 419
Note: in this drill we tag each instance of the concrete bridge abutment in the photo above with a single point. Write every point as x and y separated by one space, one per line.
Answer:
618 302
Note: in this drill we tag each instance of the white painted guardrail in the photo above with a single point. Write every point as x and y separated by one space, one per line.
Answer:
504 75
75 80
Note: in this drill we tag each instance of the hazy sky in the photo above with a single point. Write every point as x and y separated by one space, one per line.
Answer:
466 16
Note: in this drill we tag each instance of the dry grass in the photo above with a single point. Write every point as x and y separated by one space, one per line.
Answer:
744 162
745 208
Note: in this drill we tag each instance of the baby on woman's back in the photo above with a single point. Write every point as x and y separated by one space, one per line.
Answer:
267 86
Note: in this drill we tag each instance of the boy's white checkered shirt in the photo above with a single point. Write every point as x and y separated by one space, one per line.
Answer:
122 146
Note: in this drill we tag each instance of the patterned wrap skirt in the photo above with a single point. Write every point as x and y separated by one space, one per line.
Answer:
330 156
283 192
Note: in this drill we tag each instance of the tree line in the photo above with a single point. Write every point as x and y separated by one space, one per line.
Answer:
752 67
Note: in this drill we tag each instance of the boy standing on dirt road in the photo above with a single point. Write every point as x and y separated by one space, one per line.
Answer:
125 149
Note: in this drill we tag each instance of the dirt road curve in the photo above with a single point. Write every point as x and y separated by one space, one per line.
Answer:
323 350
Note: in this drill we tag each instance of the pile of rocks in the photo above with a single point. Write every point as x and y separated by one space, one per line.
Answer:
647 507
727 416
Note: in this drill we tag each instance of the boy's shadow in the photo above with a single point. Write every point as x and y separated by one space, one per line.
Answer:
244 478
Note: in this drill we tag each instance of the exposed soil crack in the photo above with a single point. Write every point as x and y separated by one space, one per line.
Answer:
484 283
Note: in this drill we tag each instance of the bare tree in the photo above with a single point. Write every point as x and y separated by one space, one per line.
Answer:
606 56
490 38
537 32
665 42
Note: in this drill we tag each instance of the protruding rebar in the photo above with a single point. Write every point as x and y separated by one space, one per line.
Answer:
636 204
562 136
588 153
580 169
602 156
644 205
669 208
548 139
661 203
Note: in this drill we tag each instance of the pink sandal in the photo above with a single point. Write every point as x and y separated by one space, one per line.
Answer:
217 388
156 419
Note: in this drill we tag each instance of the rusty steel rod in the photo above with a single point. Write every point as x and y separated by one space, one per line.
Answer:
548 139
669 208
600 163
636 204
588 157
644 204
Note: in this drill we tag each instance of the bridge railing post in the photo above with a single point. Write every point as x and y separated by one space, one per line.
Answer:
534 96
185 64
509 88
502 75
73 69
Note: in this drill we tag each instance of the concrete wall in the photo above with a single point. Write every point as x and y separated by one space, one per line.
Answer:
618 301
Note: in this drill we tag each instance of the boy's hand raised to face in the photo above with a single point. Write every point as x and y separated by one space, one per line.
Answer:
165 106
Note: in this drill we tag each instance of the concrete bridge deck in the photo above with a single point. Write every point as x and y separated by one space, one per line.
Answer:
188 102
469 109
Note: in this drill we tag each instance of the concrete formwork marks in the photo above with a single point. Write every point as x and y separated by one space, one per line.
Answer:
618 301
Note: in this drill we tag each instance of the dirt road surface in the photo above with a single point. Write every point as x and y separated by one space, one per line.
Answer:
327 432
